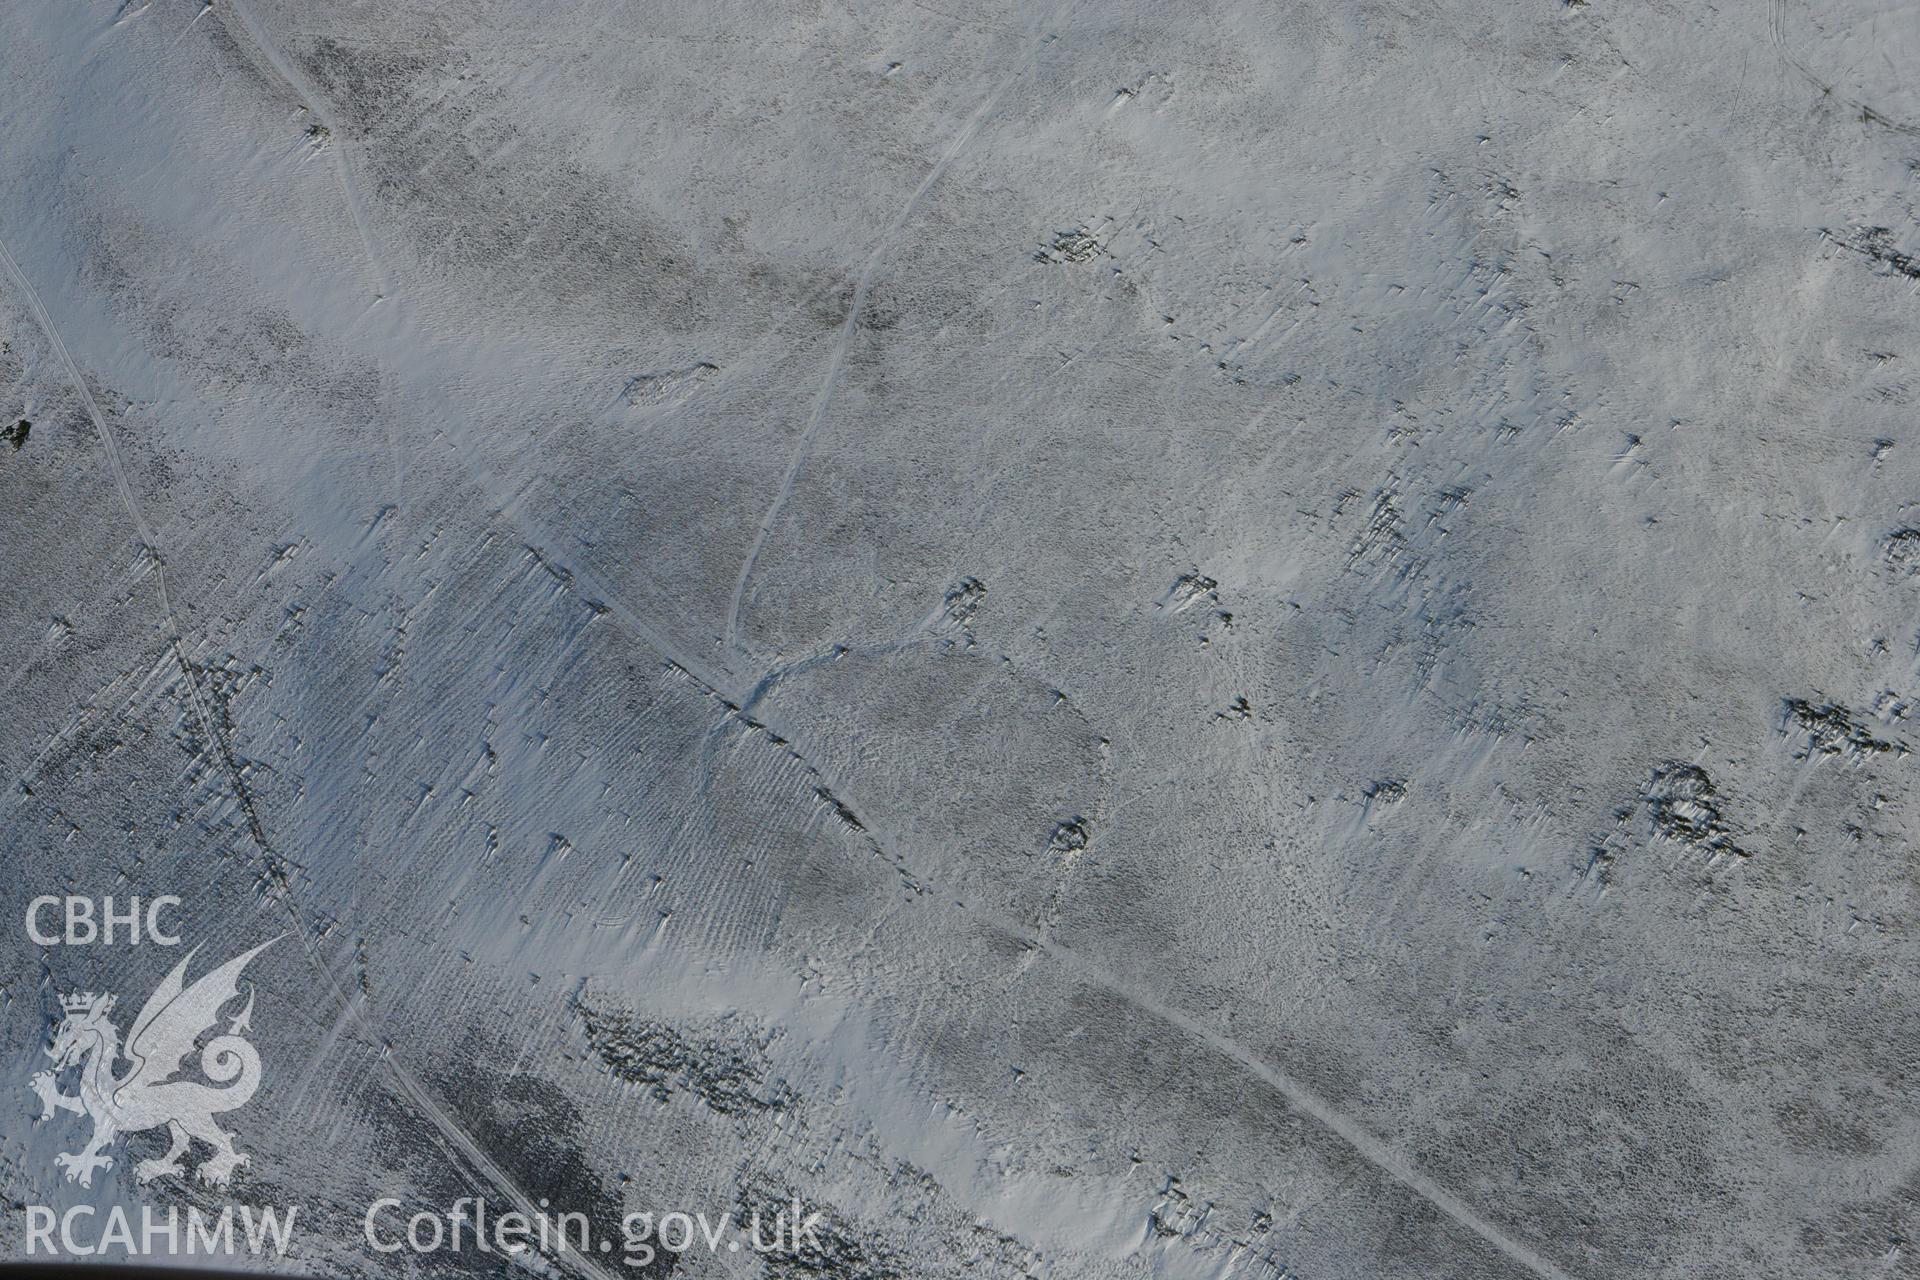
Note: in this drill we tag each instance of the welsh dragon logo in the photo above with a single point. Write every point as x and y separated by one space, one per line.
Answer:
147 1096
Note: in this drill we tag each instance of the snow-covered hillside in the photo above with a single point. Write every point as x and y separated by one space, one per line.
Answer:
1104 639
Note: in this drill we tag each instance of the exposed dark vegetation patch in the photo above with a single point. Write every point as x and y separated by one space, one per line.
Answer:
448 160
1686 809
963 601
531 1129
1600 860
725 1067
219 685
1832 730
1171 1216
834 1249
1075 246
1386 790
16 435
1384 540
1070 836
1190 589
666 386
1902 550
1876 245
839 808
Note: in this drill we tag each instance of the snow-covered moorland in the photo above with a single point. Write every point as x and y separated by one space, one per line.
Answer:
1093 639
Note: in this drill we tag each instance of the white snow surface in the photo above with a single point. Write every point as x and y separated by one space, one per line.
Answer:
1108 639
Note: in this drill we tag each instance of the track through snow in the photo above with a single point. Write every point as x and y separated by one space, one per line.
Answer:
1351 1131
335 141
823 397
149 542
460 1142
1119 644
450 1129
